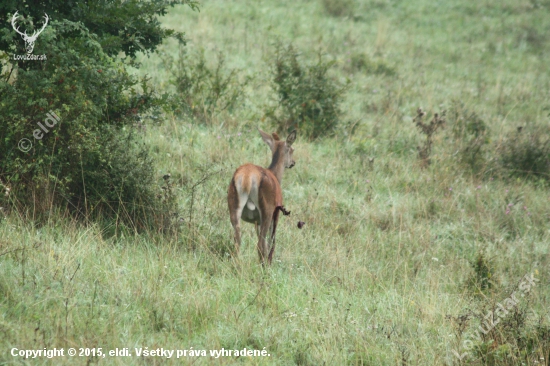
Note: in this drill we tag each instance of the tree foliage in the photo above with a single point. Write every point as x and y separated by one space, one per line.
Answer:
308 98
92 160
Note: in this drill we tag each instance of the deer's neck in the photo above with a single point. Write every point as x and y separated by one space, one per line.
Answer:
277 166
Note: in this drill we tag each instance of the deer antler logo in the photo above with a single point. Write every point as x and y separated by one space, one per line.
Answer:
29 40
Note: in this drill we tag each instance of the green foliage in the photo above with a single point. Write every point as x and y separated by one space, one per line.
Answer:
505 336
471 136
308 99
540 4
529 35
526 154
221 245
339 8
482 278
117 25
360 62
170 216
203 91
92 161
466 123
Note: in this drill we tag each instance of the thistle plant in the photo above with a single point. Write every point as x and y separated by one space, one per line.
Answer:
428 129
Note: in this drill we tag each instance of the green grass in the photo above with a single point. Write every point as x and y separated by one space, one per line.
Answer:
385 262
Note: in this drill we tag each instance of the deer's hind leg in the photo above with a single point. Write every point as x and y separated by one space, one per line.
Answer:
236 204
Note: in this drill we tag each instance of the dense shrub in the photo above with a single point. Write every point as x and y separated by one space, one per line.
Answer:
471 137
482 278
117 25
92 161
308 99
203 91
525 154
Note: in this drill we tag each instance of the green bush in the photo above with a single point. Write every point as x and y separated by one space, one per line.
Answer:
471 137
360 62
117 25
482 278
308 99
92 162
526 154
339 8
203 91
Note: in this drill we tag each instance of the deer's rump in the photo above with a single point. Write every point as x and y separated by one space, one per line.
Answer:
246 184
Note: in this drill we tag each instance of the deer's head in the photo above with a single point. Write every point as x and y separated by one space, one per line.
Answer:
282 150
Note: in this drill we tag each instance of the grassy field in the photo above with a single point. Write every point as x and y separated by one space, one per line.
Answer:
398 263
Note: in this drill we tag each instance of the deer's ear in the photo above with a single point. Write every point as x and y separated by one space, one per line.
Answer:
268 139
291 138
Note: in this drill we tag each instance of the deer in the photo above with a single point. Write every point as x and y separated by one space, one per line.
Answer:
255 194
29 40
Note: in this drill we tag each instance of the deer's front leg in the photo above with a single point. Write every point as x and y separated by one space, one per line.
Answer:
237 234
273 232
